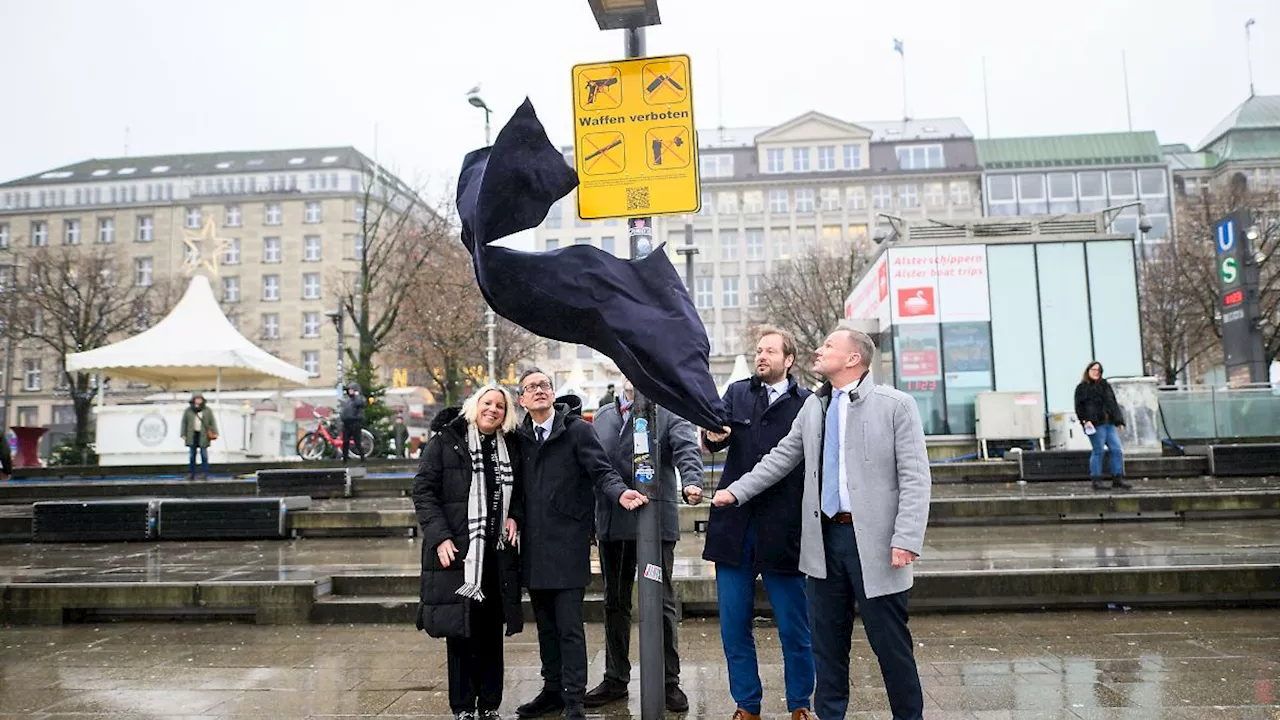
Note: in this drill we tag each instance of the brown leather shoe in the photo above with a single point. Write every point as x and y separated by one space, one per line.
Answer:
803 714
744 715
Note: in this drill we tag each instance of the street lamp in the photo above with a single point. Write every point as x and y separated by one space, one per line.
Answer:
620 14
9 289
337 316
490 319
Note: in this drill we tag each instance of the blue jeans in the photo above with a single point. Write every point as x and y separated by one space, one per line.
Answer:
736 591
1106 436
204 455
885 620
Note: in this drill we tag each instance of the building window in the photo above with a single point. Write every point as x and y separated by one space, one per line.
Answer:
852 157
553 244
856 197
553 350
554 216
703 293
935 195
777 201
270 249
1031 195
313 211
234 217
4 236
727 203
357 247
1151 183
311 248
755 289
804 239
800 159
270 326
310 324
755 244
907 196
804 200
704 203
106 231
582 241
827 157
231 256
1062 193
274 215
608 244
1001 195
830 236
715 166
271 288
781 242
753 201
730 295
31 375
311 362
1093 191
775 160
71 232
310 286
830 198
142 276
728 245
39 233
193 217
583 352
1122 184
231 289
579 222
146 228
920 157
960 192
881 196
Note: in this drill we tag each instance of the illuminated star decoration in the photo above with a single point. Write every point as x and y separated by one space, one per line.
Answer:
204 249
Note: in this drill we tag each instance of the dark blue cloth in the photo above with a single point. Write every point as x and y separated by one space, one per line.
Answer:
757 428
637 312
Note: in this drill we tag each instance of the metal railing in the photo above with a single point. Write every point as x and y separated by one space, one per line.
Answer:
1207 413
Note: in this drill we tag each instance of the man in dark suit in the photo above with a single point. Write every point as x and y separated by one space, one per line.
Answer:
762 538
564 468
617 529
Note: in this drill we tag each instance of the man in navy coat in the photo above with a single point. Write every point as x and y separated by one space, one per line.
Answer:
762 538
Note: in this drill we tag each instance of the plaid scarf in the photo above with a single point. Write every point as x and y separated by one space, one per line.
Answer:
478 511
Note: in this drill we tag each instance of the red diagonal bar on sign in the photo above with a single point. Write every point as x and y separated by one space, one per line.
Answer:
600 154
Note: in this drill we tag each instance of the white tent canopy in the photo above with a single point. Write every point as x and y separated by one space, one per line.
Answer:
192 348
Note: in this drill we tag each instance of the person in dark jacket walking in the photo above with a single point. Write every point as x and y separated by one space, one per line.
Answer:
199 428
468 496
1098 411
564 466
762 537
616 531
352 416
400 432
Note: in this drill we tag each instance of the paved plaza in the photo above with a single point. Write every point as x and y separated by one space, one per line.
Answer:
1201 665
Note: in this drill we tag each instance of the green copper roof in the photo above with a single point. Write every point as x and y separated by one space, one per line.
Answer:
1069 150
1257 113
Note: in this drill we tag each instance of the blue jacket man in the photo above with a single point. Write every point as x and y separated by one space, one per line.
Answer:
762 538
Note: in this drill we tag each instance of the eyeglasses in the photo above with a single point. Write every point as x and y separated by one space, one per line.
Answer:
544 386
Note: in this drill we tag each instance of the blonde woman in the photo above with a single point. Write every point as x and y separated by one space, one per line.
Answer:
468 495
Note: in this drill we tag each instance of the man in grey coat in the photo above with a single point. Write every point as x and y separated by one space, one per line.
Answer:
865 506
681 458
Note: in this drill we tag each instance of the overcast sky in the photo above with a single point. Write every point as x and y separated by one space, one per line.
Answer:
237 75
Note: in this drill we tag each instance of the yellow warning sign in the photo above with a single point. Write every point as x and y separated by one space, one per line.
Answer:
634 141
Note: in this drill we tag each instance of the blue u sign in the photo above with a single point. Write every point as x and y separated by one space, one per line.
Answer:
1226 236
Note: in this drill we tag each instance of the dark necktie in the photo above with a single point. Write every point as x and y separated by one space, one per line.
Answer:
542 433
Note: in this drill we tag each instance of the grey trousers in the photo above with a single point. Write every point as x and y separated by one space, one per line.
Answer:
618 565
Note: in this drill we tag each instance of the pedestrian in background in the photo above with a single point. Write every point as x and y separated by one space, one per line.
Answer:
400 432
1098 411
469 504
199 428
616 533
762 537
352 416
6 457
865 508
608 398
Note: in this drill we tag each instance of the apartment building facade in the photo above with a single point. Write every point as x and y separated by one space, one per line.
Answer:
1243 148
770 194
292 219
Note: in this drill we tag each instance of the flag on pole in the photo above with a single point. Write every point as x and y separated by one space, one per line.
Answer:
637 312
897 47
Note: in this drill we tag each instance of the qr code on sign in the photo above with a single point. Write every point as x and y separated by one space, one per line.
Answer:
638 198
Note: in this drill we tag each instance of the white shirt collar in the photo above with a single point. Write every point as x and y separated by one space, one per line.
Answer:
546 426
780 387
848 389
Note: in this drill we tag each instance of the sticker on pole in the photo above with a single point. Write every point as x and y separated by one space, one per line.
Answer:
653 572
644 473
641 437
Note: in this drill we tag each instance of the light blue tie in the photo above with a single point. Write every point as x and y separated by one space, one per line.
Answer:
831 457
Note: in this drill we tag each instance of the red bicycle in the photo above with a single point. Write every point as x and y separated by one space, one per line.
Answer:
326 440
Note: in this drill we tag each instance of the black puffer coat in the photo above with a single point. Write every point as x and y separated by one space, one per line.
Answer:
1096 403
440 493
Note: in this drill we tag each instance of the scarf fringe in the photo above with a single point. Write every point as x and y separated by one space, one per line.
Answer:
471 592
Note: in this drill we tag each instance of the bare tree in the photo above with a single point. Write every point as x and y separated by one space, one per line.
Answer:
442 330
806 295
1178 293
71 299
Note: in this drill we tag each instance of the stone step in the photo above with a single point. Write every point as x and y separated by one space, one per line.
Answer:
403 609
404 583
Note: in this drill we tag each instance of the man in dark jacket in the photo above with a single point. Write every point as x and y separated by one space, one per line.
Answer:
352 415
608 398
616 528
762 538
400 432
564 466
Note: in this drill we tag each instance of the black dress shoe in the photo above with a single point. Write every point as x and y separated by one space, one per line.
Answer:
488 715
1099 484
574 711
606 692
547 702
677 701
1120 484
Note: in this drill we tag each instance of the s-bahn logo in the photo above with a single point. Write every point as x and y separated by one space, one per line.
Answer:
152 430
